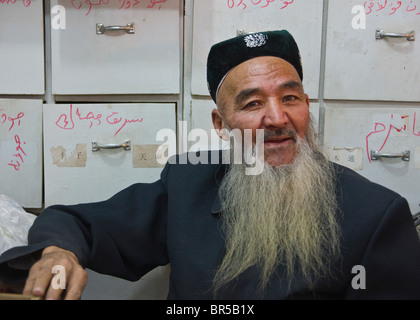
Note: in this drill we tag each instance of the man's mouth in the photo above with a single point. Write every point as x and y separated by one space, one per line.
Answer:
279 138
278 141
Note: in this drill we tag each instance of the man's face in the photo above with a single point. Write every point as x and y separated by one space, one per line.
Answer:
265 93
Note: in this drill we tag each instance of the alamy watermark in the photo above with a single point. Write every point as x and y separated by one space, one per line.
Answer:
358 282
359 20
58 17
59 280
241 148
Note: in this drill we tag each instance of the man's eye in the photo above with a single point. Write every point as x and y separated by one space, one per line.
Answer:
252 104
290 98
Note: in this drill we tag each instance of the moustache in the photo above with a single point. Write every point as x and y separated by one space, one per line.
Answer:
279 133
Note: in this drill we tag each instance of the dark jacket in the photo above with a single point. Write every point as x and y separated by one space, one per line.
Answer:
176 220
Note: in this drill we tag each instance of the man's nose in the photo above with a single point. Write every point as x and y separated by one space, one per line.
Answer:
275 115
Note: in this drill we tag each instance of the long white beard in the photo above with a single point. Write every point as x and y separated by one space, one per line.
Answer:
286 215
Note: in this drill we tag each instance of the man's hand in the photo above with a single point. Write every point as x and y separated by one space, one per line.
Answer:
40 276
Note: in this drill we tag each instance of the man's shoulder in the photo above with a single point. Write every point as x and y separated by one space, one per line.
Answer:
350 178
358 193
197 166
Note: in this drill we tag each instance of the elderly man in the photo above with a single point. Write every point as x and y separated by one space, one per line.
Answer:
304 228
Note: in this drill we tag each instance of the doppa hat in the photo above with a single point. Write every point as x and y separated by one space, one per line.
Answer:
226 55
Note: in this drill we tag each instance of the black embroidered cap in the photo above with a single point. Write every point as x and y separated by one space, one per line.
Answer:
226 55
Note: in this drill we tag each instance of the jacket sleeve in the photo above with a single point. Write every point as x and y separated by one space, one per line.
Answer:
124 236
392 258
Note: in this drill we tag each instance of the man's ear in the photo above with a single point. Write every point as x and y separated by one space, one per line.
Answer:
219 124
307 100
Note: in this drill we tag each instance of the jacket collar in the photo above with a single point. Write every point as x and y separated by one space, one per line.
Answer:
218 177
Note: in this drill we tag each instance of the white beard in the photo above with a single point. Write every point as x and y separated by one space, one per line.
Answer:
285 215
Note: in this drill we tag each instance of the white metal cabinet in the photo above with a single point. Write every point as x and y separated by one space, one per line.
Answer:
359 67
144 61
218 20
352 132
21 47
74 173
152 286
21 151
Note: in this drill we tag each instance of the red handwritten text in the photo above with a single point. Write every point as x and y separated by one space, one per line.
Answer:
386 129
243 4
10 120
26 3
67 121
390 7
19 156
88 5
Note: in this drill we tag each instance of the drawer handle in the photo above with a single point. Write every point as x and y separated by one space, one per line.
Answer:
126 145
101 29
375 155
380 34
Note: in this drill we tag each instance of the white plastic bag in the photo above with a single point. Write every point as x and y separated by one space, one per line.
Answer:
14 224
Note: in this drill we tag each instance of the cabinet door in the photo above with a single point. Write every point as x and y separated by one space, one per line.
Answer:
21 47
144 59
352 133
152 286
361 67
21 151
75 172
218 20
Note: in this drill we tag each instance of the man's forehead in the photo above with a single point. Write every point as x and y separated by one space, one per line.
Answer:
280 72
